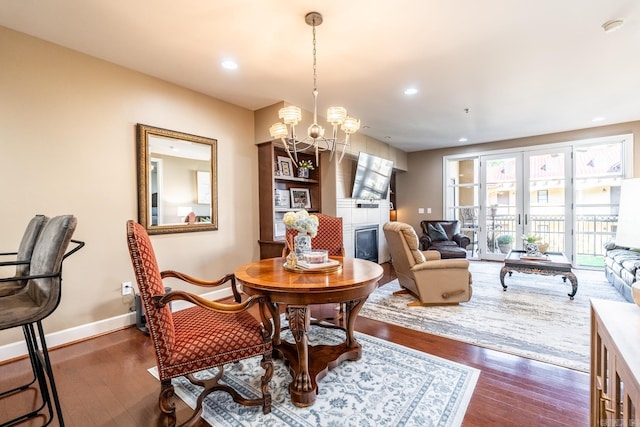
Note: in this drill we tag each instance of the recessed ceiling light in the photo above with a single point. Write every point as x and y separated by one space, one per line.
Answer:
410 91
463 139
229 64
612 25
597 119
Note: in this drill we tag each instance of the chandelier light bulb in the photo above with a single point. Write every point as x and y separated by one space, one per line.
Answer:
291 115
336 115
350 125
278 130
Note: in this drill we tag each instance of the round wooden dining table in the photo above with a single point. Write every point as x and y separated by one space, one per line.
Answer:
349 286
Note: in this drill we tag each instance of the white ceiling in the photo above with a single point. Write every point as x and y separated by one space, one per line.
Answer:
521 67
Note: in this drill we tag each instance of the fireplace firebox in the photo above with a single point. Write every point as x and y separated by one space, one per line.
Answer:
366 242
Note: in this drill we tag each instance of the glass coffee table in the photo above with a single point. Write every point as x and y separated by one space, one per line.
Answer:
550 264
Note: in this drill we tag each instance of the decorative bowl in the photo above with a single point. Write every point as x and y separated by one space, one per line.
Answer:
316 256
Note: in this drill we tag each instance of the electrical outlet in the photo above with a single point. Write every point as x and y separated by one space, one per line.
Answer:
127 289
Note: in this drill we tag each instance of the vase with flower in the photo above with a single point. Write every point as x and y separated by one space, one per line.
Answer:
304 166
531 245
307 227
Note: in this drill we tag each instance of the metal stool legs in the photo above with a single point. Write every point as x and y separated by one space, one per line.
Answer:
42 373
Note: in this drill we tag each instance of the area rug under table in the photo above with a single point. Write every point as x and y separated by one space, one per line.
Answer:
390 385
534 318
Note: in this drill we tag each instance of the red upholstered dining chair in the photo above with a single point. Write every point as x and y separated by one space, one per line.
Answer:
207 335
329 235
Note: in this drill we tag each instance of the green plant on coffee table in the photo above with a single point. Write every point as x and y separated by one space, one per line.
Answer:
504 239
530 238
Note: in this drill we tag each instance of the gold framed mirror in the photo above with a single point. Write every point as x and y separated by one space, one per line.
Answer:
177 181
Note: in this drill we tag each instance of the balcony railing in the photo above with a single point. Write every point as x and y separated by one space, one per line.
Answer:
591 233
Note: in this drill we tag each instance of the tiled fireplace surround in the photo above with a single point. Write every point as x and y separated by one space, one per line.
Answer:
355 218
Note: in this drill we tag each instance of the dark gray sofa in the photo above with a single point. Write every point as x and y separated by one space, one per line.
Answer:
622 268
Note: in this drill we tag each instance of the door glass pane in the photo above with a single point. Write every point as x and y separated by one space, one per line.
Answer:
546 218
463 197
501 203
598 172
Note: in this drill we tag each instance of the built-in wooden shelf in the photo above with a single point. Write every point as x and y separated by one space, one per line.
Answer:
296 179
271 227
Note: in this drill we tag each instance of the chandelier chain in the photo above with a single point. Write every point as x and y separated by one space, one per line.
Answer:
315 69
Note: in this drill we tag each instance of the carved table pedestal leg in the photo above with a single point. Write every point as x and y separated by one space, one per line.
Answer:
308 364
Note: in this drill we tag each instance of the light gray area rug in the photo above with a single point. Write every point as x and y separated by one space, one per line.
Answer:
390 385
534 318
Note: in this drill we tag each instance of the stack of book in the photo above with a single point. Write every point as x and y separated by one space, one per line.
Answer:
317 265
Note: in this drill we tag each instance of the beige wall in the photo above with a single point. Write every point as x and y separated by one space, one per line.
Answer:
421 186
67 145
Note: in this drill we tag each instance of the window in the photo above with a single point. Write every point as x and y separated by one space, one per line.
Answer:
543 196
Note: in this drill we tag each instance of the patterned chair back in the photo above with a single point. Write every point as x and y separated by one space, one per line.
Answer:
147 272
201 337
329 235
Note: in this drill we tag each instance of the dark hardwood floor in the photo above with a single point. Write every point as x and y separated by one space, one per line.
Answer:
104 381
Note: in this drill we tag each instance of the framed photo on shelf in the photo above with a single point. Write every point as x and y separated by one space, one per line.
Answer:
281 199
285 165
300 198
279 229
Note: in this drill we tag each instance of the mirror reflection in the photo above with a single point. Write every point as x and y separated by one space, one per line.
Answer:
176 181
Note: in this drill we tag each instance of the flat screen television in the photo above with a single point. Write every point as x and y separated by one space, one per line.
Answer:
371 181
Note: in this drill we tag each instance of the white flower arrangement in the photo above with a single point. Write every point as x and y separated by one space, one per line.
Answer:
302 222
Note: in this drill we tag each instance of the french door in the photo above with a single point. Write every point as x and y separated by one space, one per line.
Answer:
525 193
566 194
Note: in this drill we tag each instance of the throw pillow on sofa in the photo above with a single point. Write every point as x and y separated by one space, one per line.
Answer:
437 233
611 244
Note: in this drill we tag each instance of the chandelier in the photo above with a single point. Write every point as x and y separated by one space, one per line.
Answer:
292 115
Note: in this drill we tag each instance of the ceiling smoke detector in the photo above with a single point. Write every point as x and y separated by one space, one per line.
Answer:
612 25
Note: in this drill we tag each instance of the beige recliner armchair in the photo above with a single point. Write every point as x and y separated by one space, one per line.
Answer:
422 273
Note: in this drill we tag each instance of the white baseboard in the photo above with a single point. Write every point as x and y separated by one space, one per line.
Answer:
82 332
